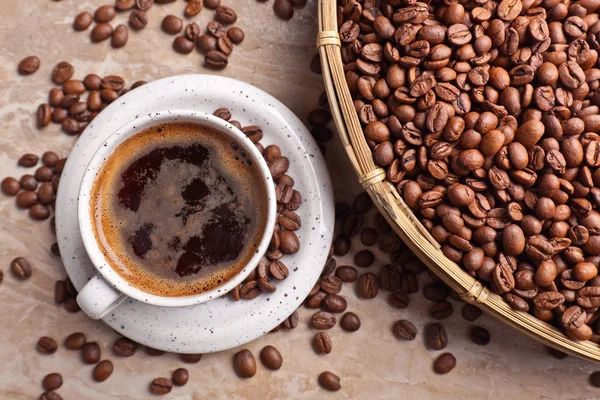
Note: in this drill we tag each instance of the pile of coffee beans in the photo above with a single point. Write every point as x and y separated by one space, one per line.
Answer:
284 242
485 116
36 192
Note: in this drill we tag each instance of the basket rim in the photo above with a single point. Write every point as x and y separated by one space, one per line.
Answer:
400 217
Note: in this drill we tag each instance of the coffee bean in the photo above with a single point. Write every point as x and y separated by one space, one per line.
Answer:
20 268
138 19
557 354
225 15
211 4
193 8
43 115
335 304
471 312
105 13
404 329
124 5
101 32
182 45
153 352
364 258
368 286
71 305
29 65
75 341
49 158
350 322
82 21
39 212
28 182
172 25
435 292
235 34
62 72
46 345
278 270
441 310
43 174
215 59
398 299
331 284
192 32
50 395
322 343
26 199
103 370
480 335
180 377
595 379
191 358
124 347
436 337
271 358
283 9
346 273
119 37
323 320
329 381
144 5
161 386
52 381
90 353
10 186
244 364
444 363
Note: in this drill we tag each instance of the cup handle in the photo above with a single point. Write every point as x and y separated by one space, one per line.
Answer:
98 298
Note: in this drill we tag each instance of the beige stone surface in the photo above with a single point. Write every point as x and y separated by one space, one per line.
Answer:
372 363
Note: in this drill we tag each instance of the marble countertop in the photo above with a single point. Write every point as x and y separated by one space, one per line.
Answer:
372 363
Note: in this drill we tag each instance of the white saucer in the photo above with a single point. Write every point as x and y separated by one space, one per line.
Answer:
222 323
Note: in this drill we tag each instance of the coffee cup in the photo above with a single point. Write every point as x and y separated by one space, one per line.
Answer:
109 288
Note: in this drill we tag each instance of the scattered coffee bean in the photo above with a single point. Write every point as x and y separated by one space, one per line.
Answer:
101 32
215 59
29 65
191 358
71 305
20 268
323 320
125 347
322 343
43 115
441 310
211 4
283 9
436 337
559 355
49 159
62 72
138 19
90 353
364 258
350 322
480 335
103 370
595 379
153 352
144 5
225 15
244 364
119 37
75 341
182 45
28 182
172 25
180 377
404 329
444 363
471 312
124 5
52 381
50 395
39 212
329 381
26 199
193 8
335 303
346 273
105 13
235 34
271 358
161 386
368 286
46 345
82 21
10 186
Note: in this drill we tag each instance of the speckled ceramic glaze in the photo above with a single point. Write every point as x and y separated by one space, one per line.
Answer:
221 323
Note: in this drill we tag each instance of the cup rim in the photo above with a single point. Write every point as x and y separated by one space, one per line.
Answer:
96 163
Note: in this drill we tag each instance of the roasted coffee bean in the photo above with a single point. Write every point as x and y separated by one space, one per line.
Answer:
43 115
471 312
364 258
398 299
368 286
50 395
153 352
480 335
183 45
90 353
172 25
161 386
138 19
193 8
341 245
404 329
39 212
180 377
124 347
211 4
329 381
225 15
46 345
441 310
52 381
62 72
444 363
244 364
124 5
235 34
103 370
346 273
75 341
331 284
10 186
105 13
101 32
335 304
271 358
278 270
144 5
49 158
323 320
322 343
28 182
291 322
20 268
119 37
43 174
28 160
352 225
435 292
283 9
191 358
82 21
192 32
436 337
350 322
29 65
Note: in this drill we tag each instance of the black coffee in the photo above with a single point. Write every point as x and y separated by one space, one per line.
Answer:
179 209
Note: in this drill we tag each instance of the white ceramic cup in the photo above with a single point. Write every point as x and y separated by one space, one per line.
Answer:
105 291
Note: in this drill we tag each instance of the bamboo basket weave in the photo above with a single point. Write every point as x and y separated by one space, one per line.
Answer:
398 214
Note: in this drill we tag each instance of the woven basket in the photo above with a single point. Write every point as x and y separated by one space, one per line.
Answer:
398 214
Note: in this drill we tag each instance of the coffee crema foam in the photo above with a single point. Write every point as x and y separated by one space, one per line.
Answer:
178 209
